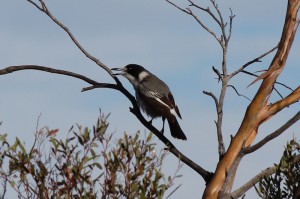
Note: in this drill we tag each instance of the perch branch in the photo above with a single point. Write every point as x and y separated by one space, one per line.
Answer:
135 110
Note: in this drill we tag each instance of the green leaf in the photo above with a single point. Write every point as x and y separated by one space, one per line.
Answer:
98 165
20 145
12 184
3 137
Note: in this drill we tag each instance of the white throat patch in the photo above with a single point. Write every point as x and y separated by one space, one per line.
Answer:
132 80
143 75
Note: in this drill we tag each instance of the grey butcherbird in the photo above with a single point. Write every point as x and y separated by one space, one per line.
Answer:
153 96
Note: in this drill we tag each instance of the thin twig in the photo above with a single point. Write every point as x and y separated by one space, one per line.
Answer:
230 24
205 27
176 6
206 10
213 96
276 82
257 59
220 76
46 10
12 69
221 146
231 86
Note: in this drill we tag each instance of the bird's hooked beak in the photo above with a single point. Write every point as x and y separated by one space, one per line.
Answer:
123 71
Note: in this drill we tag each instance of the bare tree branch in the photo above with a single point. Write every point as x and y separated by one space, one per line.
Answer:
213 96
200 22
257 59
276 82
43 7
258 111
273 135
176 6
286 47
220 76
223 42
12 69
267 172
236 91
207 10
230 24
205 27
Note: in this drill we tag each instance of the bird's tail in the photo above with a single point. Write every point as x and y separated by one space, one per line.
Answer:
175 129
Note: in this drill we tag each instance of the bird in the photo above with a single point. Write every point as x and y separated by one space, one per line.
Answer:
153 96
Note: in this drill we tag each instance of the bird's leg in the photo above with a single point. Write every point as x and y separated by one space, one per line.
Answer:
150 122
163 128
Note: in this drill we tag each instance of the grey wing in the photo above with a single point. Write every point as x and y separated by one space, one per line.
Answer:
167 101
155 86
152 94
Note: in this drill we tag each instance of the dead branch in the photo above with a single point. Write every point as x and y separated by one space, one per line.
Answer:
223 41
257 59
236 91
43 8
213 96
220 76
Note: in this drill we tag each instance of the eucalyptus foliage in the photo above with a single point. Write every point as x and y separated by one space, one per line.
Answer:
89 164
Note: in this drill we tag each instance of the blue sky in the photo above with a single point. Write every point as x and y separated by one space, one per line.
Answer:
167 42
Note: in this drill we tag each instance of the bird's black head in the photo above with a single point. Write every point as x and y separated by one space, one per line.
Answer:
134 69
133 72
130 69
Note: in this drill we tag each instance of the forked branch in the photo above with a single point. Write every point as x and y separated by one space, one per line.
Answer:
273 135
223 40
43 8
258 109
